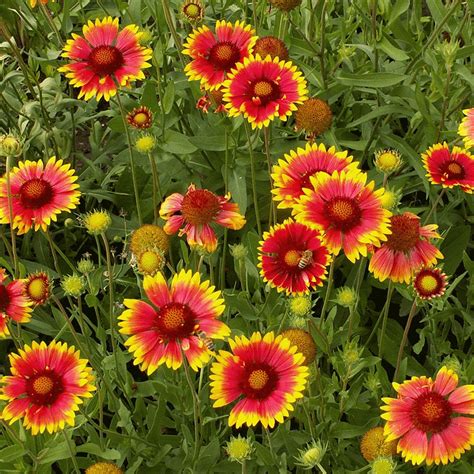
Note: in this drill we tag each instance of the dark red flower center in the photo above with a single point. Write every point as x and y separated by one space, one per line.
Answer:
105 60
453 170
4 299
264 91
431 412
35 193
259 381
405 233
175 321
344 213
200 206
223 55
44 388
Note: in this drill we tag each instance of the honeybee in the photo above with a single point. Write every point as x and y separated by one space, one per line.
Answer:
206 341
305 259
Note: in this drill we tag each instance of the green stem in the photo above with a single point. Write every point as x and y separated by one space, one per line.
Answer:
132 160
404 339
435 205
156 188
266 140
71 452
254 182
196 410
50 21
174 34
323 39
445 104
10 217
328 292
385 316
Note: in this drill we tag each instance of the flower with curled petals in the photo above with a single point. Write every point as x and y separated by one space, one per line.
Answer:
407 249
429 283
264 89
466 128
292 173
449 168
47 384
427 418
266 375
194 212
292 257
105 58
14 304
39 193
172 325
214 54
348 211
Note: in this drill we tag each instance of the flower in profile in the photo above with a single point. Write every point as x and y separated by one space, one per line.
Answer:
292 257
347 210
146 143
96 222
47 384
407 249
193 213
105 58
192 10
151 261
373 444
213 55
285 5
346 297
466 128
314 116
37 288
265 373
263 89
429 283
214 97
426 418
303 341
382 465
103 468
39 193
449 168
292 173
173 324
140 117
148 237
73 285
239 449
387 161
271 46
310 457
14 304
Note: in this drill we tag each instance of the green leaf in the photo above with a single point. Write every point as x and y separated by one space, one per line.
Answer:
91 448
371 79
168 98
453 247
10 453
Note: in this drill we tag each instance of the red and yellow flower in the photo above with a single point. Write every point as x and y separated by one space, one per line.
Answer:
39 193
266 374
13 303
426 418
175 322
140 117
264 89
430 283
215 54
407 249
105 58
37 288
194 212
292 174
466 128
449 168
47 384
347 210
292 257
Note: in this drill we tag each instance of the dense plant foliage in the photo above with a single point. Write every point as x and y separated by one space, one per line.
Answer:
227 227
